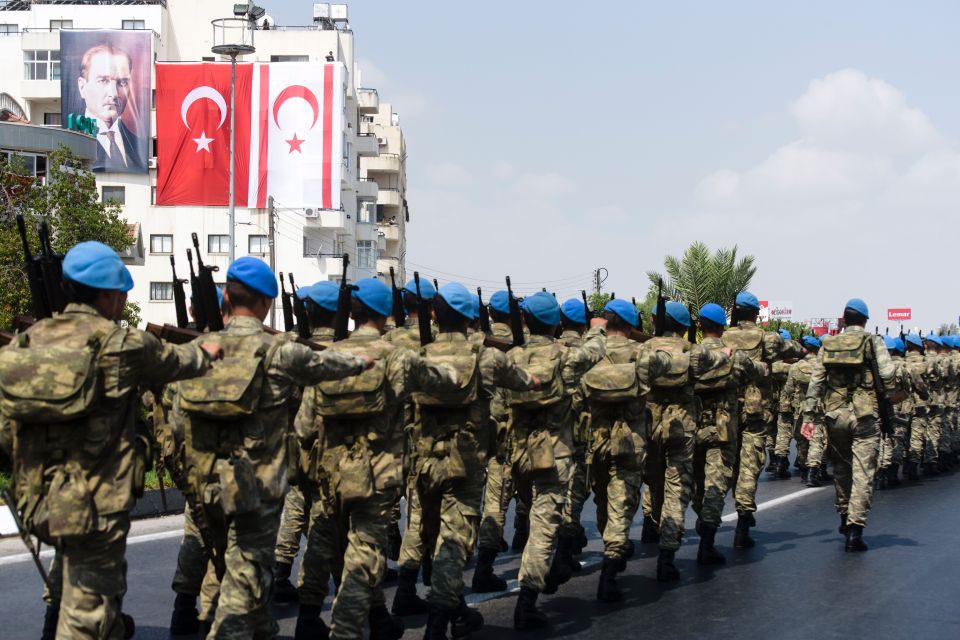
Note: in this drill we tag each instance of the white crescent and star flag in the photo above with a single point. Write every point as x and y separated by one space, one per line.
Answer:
289 134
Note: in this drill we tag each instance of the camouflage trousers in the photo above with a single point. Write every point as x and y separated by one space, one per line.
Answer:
90 579
451 514
817 446
616 491
788 428
854 444
576 494
948 429
753 438
545 492
892 447
191 557
322 555
496 500
917 436
713 462
932 436
366 525
668 474
412 547
293 525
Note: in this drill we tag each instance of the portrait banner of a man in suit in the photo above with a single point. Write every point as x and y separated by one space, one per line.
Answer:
105 76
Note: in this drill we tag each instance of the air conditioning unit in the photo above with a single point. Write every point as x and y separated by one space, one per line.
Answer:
152 163
311 213
321 10
338 12
381 140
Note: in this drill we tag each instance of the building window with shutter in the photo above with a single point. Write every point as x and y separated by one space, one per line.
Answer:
218 244
133 24
114 195
366 257
258 245
161 291
161 243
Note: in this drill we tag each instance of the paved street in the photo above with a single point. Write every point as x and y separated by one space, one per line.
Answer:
797 583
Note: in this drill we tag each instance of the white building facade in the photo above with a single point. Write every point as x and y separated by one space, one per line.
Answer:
307 241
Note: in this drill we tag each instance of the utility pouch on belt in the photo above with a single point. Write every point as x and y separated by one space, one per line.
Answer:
624 443
238 487
355 477
540 451
67 510
456 469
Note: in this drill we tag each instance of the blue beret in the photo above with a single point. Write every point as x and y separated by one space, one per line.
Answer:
811 341
499 301
573 311
934 339
890 343
374 295
426 288
96 265
714 313
460 299
950 341
748 300
785 334
254 274
543 307
302 292
624 310
858 305
899 346
678 312
325 294
915 340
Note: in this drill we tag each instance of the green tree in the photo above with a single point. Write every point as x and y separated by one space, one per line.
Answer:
68 200
699 277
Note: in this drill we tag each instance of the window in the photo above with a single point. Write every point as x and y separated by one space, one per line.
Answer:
61 24
41 65
51 119
8 28
116 195
366 257
289 58
312 247
258 245
366 213
133 24
218 244
161 291
161 243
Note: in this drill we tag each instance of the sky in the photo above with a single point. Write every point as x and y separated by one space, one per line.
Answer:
547 139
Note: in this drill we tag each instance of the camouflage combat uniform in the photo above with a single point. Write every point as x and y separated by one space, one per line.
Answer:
934 424
892 446
577 487
791 407
917 368
77 481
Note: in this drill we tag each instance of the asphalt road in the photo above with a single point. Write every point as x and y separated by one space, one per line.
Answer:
797 583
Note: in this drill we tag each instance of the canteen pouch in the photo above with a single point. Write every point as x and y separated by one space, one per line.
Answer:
456 468
67 510
238 487
752 401
540 451
722 417
625 445
355 475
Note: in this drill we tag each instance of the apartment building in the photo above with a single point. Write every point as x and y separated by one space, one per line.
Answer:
308 241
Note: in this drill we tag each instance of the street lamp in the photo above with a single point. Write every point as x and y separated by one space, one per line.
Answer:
234 37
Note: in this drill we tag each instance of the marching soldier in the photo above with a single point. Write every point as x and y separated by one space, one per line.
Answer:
936 376
891 445
919 399
791 407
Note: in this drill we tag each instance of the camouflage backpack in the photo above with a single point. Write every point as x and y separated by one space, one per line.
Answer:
50 374
748 339
614 379
359 396
467 364
717 379
232 388
542 361
679 374
845 350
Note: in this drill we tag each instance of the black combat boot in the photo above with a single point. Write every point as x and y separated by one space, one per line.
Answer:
741 537
931 468
384 626
129 626
526 615
772 465
580 541
521 531
855 538
465 620
607 590
50 620
707 554
804 474
504 545
565 545
426 570
184 620
666 570
437 622
283 590
813 477
783 467
406 602
649 534
842 529
893 475
484 580
560 573
880 479
910 470
395 541
309 624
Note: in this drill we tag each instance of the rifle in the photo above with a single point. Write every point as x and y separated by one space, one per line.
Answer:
341 326
423 314
586 307
52 266
207 296
484 313
38 293
733 311
516 320
287 305
692 333
887 416
25 535
661 318
179 297
199 316
399 311
436 286
299 311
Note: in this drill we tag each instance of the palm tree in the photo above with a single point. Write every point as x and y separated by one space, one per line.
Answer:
698 277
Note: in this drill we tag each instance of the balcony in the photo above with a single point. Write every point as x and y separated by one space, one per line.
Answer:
40 89
366 145
368 100
367 190
385 162
389 197
391 232
325 218
384 263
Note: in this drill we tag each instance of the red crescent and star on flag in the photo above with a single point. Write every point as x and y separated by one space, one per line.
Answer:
201 93
305 94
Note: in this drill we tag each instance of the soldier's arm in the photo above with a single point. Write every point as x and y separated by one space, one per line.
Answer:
750 370
815 390
308 367
788 392
704 360
774 347
498 371
651 364
304 424
6 442
578 360
409 372
163 362
919 384
885 364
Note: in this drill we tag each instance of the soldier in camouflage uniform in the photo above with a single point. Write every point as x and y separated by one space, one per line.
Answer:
615 391
916 367
843 382
891 446
79 469
452 452
236 455
674 413
953 397
715 443
791 407
936 376
948 378
361 453
756 407
542 431
780 465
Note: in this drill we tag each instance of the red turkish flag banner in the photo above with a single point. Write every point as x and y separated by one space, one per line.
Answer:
193 133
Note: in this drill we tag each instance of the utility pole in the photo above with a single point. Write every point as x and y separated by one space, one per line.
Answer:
599 277
272 242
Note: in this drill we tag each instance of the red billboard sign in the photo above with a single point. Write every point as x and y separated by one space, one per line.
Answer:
899 314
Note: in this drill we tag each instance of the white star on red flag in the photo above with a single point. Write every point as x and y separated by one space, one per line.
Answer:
203 142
